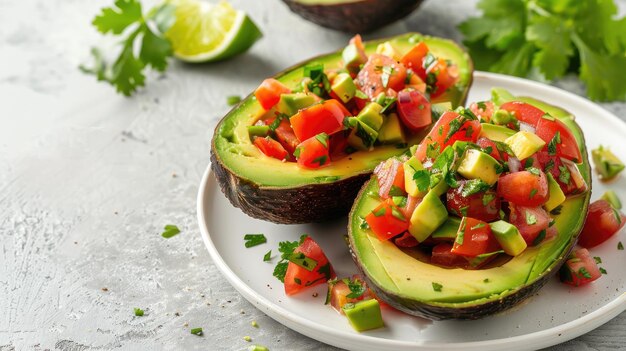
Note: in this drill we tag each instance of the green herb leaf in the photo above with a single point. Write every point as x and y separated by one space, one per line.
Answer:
533 192
357 289
197 331
474 186
620 246
321 160
556 139
138 312
539 238
286 248
254 239
303 261
233 100
597 259
584 272
602 270
380 212
422 179
487 198
268 256
565 175
323 139
126 73
169 231
437 287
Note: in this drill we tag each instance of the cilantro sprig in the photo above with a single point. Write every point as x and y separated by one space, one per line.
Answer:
286 248
531 38
143 44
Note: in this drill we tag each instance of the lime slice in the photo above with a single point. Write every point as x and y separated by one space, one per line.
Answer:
205 32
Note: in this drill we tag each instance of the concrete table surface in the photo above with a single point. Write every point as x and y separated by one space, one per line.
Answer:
89 178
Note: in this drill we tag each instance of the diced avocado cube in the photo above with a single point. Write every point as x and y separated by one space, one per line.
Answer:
351 58
289 104
524 144
607 164
509 237
391 131
440 188
362 136
387 49
427 216
495 132
502 117
556 197
364 315
343 86
411 166
260 131
413 149
479 165
448 230
611 197
371 115
500 96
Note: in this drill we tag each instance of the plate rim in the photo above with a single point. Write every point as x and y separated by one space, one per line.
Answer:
339 338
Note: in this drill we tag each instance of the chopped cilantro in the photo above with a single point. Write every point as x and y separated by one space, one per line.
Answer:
301 260
138 312
268 256
478 226
597 259
357 289
549 165
486 280
169 231
620 246
602 270
297 281
584 272
455 125
422 179
254 239
552 144
276 122
539 238
321 160
286 248
557 210
533 192
233 100
487 198
380 212
474 186
565 175
196 331
533 170
437 287
323 139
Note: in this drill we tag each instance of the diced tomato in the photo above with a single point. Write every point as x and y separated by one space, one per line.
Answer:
416 83
285 135
313 152
579 269
523 112
524 188
405 240
490 147
567 147
268 93
339 291
390 175
603 221
338 144
326 117
530 221
380 73
387 221
554 165
477 238
299 278
414 59
414 109
484 110
446 76
438 138
271 147
484 205
442 255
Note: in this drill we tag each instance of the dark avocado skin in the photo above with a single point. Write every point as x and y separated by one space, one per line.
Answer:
479 310
315 202
355 17
308 203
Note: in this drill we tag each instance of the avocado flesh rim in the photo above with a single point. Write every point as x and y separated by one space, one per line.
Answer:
388 267
239 156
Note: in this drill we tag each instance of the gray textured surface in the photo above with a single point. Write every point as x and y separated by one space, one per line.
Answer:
89 178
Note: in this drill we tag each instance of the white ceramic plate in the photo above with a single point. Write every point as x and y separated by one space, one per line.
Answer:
556 314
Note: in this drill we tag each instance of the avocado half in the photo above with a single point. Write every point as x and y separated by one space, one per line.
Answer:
406 283
353 16
282 192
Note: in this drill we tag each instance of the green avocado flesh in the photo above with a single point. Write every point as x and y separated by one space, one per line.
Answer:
407 283
236 152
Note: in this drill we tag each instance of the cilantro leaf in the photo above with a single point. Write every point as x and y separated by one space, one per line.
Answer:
138 31
254 240
357 288
169 231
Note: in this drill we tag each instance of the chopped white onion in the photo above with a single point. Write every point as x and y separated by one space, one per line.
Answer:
514 164
526 127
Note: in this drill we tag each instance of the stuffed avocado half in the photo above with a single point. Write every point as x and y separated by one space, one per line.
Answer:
411 275
271 185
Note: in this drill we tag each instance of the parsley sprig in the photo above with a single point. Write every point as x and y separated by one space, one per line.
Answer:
549 38
143 45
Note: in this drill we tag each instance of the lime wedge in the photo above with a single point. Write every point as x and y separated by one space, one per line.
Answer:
205 32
